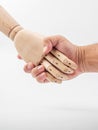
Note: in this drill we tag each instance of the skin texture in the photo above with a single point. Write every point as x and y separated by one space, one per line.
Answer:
86 57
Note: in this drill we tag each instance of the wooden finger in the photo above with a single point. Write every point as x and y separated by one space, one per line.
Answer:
52 79
58 64
52 70
64 59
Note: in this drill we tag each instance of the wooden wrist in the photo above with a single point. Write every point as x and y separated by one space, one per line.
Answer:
14 31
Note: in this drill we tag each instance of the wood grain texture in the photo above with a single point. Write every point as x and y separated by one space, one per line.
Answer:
7 23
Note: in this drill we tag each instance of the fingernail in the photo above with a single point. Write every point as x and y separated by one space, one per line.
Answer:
40 68
47 48
29 66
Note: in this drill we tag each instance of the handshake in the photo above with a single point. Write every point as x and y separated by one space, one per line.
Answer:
49 59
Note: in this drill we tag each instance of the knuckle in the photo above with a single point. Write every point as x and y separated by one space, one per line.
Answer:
25 68
33 72
41 78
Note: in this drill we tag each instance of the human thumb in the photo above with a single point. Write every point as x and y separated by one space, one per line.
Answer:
47 46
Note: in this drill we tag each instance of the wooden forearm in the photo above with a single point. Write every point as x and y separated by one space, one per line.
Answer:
7 23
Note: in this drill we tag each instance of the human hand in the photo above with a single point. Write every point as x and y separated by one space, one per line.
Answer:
67 48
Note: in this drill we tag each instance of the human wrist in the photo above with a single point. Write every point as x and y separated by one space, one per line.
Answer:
88 58
80 55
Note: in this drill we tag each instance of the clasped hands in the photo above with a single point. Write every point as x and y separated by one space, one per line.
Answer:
60 62
49 59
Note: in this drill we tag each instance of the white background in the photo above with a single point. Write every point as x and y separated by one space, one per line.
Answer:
28 105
